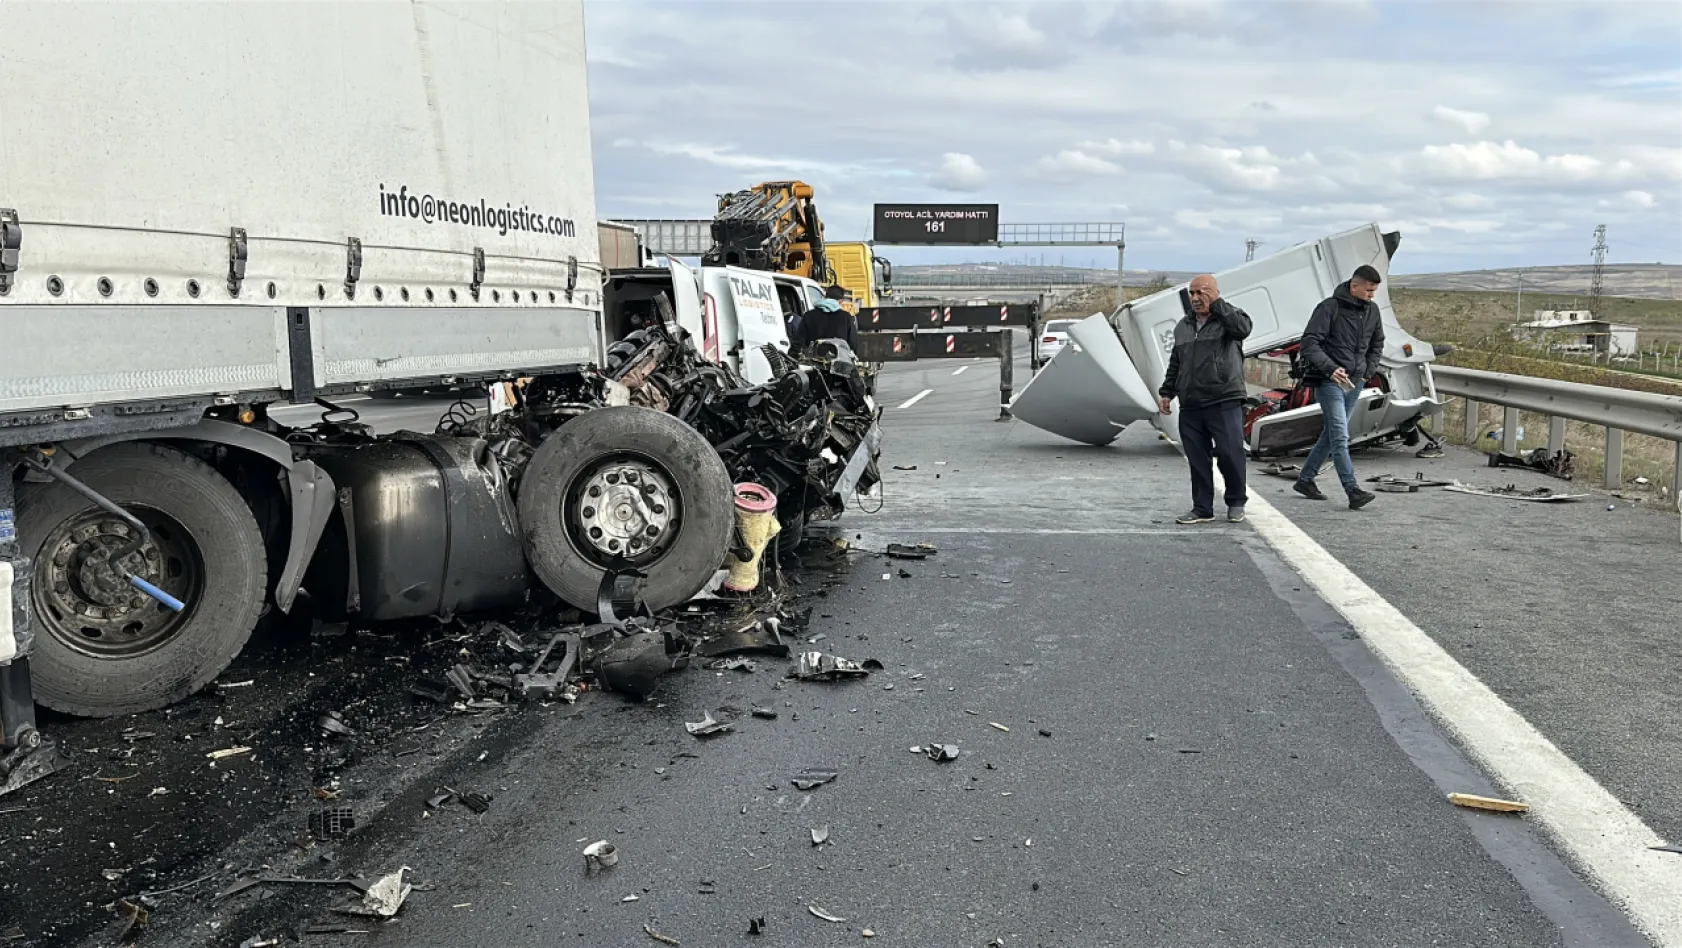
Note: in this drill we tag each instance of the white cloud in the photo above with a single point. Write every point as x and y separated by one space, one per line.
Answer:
1467 202
1116 148
1252 168
958 172
1640 198
1071 164
1508 160
1472 122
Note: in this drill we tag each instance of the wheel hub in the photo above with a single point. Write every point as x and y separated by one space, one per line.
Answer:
83 599
626 509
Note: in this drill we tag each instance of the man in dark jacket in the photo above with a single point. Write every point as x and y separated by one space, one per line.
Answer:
1341 348
1206 372
827 320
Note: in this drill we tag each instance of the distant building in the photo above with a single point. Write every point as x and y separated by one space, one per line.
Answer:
1576 330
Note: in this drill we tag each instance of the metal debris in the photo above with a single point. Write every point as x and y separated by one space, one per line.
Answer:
900 551
708 726
1513 492
334 822
821 666
476 801
765 713
384 898
733 664
601 854
998 727
939 753
811 779
1561 464
228 752
662 939
823 914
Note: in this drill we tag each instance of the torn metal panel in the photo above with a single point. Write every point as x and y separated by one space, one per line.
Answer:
1089 391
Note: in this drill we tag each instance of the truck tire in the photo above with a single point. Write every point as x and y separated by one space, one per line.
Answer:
102 649
633 482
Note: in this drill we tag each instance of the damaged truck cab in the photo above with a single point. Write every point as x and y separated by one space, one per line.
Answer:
226 250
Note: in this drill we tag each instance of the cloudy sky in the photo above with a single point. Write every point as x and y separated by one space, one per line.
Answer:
1489 133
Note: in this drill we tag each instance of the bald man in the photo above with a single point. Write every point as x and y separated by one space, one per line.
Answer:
1206 373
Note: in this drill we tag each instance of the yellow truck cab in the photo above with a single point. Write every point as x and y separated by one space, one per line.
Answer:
858 270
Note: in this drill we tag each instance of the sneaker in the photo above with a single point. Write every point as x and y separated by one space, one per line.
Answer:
1235 515
1307 489
1192 516
1360 498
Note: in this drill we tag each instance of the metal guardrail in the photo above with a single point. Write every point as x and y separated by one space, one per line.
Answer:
1618 410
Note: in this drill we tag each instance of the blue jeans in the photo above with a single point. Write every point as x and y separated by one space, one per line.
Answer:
1335 407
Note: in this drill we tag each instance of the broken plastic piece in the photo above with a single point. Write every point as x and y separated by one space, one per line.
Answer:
823 914
940 753
997 726
812 779
228 752
756 926
765 713
334 725
384 898
1487 803
901 551
708 726
434 802
733 664
476 801
820 835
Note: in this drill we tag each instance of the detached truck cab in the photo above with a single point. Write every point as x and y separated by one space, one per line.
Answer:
221 208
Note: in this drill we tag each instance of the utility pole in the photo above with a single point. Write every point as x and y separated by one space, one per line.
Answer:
1596 282
1518 307
1250 249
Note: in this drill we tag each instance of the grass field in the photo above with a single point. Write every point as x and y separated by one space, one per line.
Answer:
1468 317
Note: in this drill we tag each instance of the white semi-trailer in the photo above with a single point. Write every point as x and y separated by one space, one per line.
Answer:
210 209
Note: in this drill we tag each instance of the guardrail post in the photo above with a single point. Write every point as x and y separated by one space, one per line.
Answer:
1007 370
1676 477
1509 430
1471 421
1556 434
1614 458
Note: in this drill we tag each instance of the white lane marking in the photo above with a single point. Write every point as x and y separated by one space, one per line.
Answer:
960 370
1600 835
925 393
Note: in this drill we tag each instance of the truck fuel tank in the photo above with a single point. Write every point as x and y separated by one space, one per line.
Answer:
426 527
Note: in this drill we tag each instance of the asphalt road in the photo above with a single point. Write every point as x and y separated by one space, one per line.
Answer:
1199 751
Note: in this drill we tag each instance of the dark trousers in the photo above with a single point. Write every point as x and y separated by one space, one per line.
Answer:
1214 432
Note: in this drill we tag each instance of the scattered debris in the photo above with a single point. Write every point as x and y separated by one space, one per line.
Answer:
601 855
938 752
228 752
1276 469
336 928
707 887
475 801
868 933
905 467
1561 464
133 916
112 875
1642 482
384 898
997 726
1411 485
333 725
633 897
759 635
812 779
821 666
733 664
334 822
258 941
1667 848
1044 732
255 881
766 713
1487 803
707 726
756 926
823 914
662 939
900 551
1512 492
131 735
820 835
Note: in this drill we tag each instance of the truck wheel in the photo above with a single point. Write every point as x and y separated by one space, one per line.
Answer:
103 648
626 482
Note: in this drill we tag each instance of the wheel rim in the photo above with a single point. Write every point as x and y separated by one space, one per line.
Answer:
85 605
622 507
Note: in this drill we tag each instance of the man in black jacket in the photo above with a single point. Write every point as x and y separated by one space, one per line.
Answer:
827 320
1206 372
1341 347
